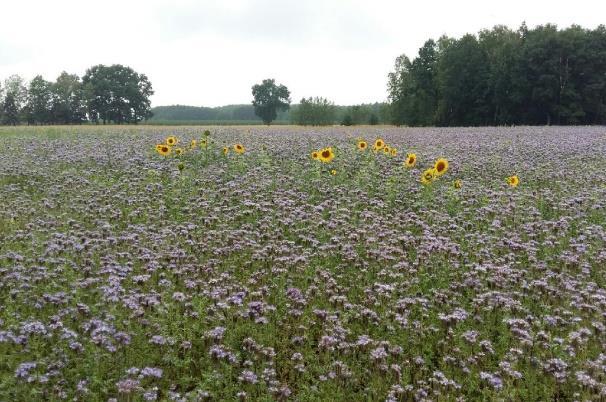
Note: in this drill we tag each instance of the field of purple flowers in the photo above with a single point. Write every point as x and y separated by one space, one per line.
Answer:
126 275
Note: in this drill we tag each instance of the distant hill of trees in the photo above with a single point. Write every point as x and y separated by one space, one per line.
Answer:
201 113
501 77
375 113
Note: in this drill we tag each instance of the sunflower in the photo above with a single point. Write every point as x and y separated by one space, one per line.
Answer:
394 152
203 143
379 144
386 149
428 176
172 140
327 155
206 133
362 145
315 155
179 151
441 166
181 166
193 144
239 148
513 181
225 150
458 183
333 172
163 149
411 160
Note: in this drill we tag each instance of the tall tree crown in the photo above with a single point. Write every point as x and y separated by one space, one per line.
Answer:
269 98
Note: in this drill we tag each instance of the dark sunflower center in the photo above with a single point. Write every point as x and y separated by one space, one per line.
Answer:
325 154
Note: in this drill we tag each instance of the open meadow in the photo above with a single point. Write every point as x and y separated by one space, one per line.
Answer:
261 273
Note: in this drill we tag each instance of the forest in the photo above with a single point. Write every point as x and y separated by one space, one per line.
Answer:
539 76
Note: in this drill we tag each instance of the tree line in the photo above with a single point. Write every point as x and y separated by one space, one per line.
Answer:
499 76
502 77
317 111
105 94
226 113
270 98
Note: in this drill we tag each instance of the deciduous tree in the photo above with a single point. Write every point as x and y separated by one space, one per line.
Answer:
269 98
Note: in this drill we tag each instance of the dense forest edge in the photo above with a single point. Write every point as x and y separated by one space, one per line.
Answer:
539 76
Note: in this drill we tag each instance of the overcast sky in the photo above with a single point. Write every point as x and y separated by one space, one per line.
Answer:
210 53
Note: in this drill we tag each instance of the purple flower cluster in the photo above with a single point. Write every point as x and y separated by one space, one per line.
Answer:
264 276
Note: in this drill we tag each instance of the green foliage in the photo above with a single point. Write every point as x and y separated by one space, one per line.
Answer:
363 114
463 84
359 114
15 86
12 99
229 113
68 103
373 120
501 76
39 98
245 114
117 94
269 98
10 111
347 121
316 111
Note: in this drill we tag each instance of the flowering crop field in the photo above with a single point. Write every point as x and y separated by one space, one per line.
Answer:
290 263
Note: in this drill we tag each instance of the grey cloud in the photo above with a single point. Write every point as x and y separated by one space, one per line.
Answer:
281 22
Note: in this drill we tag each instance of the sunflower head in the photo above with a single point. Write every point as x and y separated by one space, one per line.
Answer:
386 149
203 143
206 133
441 166
181 166
362 145
163 149
428 176
225 150
458 183
172 140
411 160
513 181
239 148
178 151
393 152
333 172
327 155
379 144
315 155
193 144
